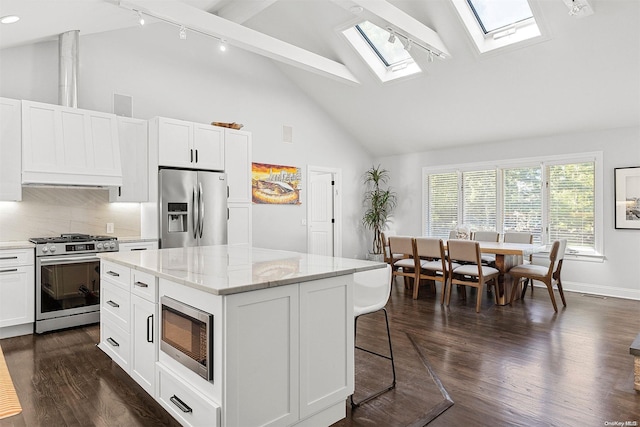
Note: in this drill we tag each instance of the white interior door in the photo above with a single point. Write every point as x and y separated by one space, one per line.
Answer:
321 213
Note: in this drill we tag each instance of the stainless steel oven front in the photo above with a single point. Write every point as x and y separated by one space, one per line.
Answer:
68 280
187 336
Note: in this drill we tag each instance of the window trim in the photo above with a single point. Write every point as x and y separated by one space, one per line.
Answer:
542 161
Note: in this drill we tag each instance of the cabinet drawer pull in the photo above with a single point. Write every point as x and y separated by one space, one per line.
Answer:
180 404
9 270
113 342
8 257
138 249
141 284
113 304
113 273
150 329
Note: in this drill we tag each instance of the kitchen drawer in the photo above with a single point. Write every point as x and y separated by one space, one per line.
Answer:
116 273
115 341
184 403
12 258
144 285
117 301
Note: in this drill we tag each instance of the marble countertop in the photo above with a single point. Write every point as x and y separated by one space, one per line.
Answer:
225 270
17 245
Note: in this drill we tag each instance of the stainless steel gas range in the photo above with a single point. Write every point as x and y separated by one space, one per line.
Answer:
68 279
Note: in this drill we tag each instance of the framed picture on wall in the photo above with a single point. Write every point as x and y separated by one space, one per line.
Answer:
627 190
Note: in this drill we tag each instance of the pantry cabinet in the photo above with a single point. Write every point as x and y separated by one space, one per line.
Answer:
10 150
186 144
132 134
69 146
237 154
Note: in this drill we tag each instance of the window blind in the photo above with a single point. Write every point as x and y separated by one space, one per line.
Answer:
571 203
442 204
522 201
479 199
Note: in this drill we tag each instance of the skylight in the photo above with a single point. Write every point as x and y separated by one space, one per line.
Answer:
496 24
386 54
390 52
495 14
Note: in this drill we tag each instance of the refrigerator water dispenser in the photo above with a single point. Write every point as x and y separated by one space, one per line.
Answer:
177 218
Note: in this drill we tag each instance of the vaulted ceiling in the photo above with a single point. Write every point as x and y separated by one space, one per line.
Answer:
582 75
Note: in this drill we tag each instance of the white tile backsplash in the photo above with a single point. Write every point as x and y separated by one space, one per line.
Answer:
53 211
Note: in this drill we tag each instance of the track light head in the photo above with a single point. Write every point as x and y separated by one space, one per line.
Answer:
140 19
183 33
392 36
223 45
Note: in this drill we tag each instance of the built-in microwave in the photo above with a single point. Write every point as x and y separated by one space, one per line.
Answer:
187 336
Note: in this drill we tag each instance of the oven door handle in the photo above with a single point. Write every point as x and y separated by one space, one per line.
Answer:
67 260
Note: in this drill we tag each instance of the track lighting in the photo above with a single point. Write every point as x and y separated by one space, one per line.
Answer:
183 33
392 36
408 46
140 19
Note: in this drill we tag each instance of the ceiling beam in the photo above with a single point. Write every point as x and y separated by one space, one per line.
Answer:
179 13
240 11
400 21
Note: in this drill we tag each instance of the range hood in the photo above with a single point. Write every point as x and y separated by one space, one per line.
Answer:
65 146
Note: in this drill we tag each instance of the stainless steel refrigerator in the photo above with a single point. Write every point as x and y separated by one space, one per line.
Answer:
193 208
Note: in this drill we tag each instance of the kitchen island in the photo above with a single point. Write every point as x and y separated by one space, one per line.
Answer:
282 331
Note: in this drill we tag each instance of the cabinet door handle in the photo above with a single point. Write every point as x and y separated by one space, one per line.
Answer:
191 155
113 304
8 257
113 273
150 328
196 156
180 404
141 284
113 342
119 191
138 249
9 270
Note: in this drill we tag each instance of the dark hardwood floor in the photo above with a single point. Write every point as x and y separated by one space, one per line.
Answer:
520 365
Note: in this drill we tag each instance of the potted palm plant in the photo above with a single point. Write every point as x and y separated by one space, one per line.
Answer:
379 203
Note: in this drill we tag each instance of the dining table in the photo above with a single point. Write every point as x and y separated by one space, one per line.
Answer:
508 255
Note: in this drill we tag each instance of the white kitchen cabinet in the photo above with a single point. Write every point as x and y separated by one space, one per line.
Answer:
262 336
144 348
188 145
237 155
10 150
132 134
239 228
238 169
129 321
69 146
137 246
17 295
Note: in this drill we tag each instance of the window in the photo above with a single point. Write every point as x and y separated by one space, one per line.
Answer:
493 15
497 24
551 198
384 54
479 200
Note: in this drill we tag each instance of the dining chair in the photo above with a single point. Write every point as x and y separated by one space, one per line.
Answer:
486 236
521 237
389 258
403 263
370 294
470 271
547 275
431 263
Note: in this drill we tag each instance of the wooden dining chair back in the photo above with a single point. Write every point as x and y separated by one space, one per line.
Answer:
486 236
432 263
470 271
544 274
402 250
385 248
521 237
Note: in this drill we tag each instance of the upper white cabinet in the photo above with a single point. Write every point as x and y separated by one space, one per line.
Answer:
237 155
132 134
188 145
10 150
69 146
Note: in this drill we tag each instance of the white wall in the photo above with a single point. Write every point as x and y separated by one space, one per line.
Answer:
618 275
191 80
